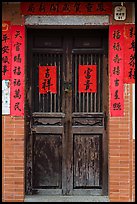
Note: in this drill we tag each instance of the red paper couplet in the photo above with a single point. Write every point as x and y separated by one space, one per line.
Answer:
6 50
17 70
116 50
66 8
87 79
129 54
47 79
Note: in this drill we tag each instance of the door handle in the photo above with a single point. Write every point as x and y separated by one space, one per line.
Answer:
67 86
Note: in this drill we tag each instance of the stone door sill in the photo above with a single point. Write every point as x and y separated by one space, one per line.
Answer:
55 198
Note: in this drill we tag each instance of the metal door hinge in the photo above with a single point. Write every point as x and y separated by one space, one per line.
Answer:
105 121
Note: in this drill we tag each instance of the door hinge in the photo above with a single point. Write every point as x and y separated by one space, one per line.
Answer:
105 120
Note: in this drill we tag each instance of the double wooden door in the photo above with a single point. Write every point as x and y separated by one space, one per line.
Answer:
66 140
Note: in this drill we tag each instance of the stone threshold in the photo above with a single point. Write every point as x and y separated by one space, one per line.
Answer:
55 198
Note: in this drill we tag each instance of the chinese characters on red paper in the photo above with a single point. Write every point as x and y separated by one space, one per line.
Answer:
6 50
17 72
129 54
116 49
87 78
47 79
66 8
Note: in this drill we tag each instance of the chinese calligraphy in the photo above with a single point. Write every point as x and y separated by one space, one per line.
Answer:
6 50
116 38
66 8
87 78
129 55
47 79
17 71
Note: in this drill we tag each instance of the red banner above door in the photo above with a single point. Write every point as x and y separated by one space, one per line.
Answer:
66 8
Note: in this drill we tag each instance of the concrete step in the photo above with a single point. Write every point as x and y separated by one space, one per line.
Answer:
55 198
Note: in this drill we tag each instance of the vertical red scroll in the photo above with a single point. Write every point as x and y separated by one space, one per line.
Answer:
47 79
87 79
116 54
129 54
6 50
17 70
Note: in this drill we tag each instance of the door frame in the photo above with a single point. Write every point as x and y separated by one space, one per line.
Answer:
27 119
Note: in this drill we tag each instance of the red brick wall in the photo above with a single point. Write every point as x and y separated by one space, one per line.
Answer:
13 158
121 145
121 153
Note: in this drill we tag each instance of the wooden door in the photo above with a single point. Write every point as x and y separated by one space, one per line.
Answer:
66 140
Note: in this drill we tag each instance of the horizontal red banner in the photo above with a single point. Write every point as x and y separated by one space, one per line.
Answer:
66 8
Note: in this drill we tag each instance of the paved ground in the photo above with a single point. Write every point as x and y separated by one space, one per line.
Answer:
43 198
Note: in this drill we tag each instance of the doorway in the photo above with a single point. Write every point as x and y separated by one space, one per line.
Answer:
66 128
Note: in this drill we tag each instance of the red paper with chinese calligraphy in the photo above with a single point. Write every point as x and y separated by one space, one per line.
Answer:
129 54
87 79
116 54
66 8
17 70
47 79
6 50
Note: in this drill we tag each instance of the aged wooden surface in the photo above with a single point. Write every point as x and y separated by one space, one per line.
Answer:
66 140
47 161
87 161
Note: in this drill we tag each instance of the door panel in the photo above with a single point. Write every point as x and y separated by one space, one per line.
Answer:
87 161
47 160
66 150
